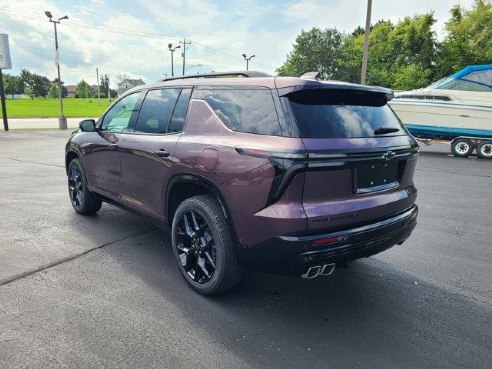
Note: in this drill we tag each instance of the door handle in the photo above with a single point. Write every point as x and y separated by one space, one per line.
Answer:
162 153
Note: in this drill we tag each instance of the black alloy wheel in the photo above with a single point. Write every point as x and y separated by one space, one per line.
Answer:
196 246
83 201
75 187
203 245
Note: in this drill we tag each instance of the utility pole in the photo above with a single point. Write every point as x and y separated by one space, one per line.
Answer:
62 121
184 43
172 50
247 60
365 51
98 90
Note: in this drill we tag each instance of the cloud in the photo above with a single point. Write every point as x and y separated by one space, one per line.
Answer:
220 31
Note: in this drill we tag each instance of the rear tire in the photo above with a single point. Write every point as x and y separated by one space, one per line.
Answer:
462 147
203 246
83 201
484 150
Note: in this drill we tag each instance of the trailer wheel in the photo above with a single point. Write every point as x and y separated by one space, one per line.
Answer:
462 147
484 150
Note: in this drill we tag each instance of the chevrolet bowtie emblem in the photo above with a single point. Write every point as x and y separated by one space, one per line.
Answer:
389 155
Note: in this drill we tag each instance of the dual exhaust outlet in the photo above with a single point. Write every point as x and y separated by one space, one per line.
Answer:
318 270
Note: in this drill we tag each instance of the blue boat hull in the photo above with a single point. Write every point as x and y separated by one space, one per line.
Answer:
446 133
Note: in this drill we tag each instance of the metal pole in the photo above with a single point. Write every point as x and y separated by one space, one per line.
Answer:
172 63
366 44
184 42
109 90
62 121
4 107
98 90
247 64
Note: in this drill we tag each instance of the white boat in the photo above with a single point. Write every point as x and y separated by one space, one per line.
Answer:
458 105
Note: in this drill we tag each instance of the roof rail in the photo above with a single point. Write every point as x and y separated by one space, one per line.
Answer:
240 74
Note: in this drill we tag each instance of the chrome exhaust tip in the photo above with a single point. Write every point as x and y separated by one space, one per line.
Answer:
312 272
327 269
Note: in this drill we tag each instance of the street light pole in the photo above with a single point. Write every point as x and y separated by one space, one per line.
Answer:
172 50
365 52
62 120
247 60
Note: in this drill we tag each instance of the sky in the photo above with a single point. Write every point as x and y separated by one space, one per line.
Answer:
130 37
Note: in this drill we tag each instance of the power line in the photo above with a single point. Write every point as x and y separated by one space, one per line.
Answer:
87 25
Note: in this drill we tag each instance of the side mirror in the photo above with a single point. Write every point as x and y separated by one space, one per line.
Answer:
87 125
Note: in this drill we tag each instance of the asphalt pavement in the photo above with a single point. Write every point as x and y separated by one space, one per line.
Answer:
104 291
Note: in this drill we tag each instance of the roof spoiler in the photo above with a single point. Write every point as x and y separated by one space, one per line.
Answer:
312 75
240 74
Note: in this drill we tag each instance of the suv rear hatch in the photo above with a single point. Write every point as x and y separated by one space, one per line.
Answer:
360 159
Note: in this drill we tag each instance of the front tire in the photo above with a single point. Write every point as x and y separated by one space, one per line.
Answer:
83 201
203 246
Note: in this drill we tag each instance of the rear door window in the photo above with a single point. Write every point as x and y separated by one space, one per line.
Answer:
179 114
343 114
157 108
244 110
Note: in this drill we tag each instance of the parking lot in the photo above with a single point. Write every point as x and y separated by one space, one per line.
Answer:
105 290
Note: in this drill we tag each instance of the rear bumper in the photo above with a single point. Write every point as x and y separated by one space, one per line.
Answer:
294 255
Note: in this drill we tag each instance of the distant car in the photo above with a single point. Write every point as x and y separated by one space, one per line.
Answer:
286 175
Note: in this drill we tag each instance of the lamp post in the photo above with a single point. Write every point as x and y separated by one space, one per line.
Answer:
247 60
62 121
172 50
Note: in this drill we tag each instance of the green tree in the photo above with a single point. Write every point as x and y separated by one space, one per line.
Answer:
54 89
37 85
468 40
13 85
104 85
40 85
29 92
314 50
83 90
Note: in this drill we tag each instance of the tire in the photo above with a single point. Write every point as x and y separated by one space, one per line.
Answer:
462 147
203 246
83 201
484 150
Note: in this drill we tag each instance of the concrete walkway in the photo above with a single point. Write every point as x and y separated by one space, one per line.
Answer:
39 123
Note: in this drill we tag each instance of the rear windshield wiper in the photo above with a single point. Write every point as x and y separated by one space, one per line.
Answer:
384 130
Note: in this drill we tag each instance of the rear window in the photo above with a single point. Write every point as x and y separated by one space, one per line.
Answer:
245 110
343 114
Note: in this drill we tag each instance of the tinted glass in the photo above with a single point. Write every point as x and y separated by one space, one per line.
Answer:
179 115
118 117
248 110
156 110
340 115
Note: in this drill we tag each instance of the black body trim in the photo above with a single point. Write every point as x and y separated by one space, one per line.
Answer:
294 255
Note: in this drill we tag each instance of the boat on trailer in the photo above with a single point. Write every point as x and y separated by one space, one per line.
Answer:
456 108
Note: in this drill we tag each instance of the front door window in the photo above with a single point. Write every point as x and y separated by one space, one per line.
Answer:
119 117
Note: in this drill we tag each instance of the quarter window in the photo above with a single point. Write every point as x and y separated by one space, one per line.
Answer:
156 110
245 110
118 118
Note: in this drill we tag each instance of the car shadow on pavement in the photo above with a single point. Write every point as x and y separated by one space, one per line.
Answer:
367 315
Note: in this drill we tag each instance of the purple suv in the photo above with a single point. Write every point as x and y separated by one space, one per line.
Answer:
286 175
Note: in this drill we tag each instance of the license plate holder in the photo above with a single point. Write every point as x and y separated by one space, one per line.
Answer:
376 176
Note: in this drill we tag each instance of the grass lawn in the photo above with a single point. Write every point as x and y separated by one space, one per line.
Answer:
46 108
